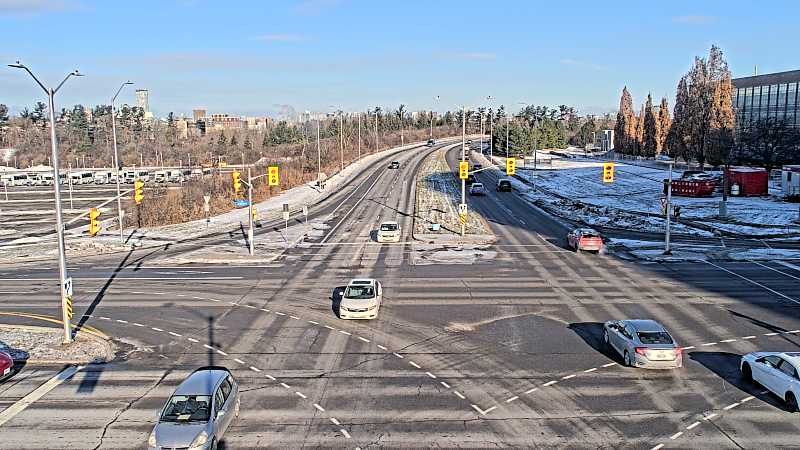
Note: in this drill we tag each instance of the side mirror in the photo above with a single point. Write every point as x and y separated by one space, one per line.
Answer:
220 414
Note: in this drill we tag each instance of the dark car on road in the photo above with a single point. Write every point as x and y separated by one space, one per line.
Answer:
431 142
394 165
503 185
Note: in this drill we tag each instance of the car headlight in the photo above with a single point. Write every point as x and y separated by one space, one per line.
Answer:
151 441
199 441
370 308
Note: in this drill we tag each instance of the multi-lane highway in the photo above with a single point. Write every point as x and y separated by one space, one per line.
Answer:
506 352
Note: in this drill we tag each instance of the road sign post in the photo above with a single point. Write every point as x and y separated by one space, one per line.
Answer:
286 216
305 213
250 211
667 250
207 208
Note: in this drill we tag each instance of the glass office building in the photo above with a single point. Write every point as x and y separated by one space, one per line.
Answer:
773 95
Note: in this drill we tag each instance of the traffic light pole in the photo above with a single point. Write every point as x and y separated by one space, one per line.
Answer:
667 250
463 158
250 211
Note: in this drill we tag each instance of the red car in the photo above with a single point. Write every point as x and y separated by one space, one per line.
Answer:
6 365
585 239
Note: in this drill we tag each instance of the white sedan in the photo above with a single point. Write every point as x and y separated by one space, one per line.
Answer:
361 299
776 371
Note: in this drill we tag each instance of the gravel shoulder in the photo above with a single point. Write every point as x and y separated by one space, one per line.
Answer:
43 345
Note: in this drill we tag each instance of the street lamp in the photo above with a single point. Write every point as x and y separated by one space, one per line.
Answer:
117 165
489 99
62 258
437 99
341 136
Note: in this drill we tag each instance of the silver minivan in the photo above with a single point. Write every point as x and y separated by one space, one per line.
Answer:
197 415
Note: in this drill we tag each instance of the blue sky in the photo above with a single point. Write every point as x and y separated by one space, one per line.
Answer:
255 58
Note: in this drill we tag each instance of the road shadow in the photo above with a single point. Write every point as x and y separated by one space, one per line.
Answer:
592 334
101 293
336 299
726 366
91 378
19 356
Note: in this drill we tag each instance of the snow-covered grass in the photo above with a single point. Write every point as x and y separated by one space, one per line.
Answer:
638 191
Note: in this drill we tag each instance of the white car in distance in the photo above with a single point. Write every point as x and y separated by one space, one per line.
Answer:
389 232
361 299
776 371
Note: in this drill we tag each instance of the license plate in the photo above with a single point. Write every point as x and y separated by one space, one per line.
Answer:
662 355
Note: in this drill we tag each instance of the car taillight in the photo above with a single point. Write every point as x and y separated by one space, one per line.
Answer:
641 350
678 350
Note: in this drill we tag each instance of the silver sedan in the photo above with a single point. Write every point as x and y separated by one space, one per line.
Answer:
643 343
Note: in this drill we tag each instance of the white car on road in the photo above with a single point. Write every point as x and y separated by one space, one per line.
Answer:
776 371
361 299
389 232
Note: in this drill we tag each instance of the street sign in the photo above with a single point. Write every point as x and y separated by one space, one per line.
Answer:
463 219
241 203
462 208
68 306
68 286
663 205
305 210
207 199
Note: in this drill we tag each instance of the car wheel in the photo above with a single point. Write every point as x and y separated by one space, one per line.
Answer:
747 373
791 402
627 359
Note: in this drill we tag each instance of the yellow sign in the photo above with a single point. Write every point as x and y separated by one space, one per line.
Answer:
237 182
138 195
94 224
68 306
463 170
223 164
255 214
273 177
511 166
462 218
608 172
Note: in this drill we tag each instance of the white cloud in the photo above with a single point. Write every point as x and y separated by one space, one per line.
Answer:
30 7
694 19
291 38
583 64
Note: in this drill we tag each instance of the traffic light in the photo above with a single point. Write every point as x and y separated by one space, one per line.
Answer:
94 224
273 177
138 195
608 172
237 182
463 170
511 166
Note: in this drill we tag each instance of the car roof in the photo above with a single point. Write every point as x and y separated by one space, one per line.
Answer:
388 222
504 179
645 325
362 281
477 184
202 381
587 230
793 357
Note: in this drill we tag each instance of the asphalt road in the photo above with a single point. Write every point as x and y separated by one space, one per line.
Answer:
502 353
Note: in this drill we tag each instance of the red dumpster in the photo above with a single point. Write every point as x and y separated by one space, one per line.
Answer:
752 182
692 188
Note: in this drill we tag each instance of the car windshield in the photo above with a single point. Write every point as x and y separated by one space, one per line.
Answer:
477 186
388 227
187 408
655 337
589 235
359 292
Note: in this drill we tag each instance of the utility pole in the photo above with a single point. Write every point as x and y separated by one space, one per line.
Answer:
506 136
667 250
376 131
250 211
481 138
491 127
117 165
359 136
319 159
463 158
341 141
66 303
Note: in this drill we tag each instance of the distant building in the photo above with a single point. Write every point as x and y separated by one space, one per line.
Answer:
198 114
143 99
773 95
182 127
604 140
256 123
226 122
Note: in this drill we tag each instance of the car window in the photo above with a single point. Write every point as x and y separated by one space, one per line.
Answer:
226 388
773 361
388 227
359 292
187 408
787 368
654 337
219 400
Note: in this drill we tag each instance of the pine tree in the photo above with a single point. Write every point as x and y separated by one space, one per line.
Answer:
248 143
625 121
664 122
638 132
650 129
234 142
677 136
221 142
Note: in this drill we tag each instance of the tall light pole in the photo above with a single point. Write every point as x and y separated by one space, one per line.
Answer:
491 127
376 131
319 158
437 99
359 135
62 257
667 249
463 158
117 165
506 136
341 140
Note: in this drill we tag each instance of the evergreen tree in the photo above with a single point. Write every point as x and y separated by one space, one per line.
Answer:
221 142
677 136
650 130
623 130
3 114
39 114
664 122
248 143
234 143
638 133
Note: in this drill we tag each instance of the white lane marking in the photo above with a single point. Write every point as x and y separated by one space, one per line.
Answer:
192 340
382 347
710 416
731 406
748 337
335 422
208 346
214 300
512 399
489 410
255 369
20 405
771 334
568 377
689 347
238 360
445 384
295 317
329 327
249 306
531 390
693 425
550 383
794 331
105 318
789 265
198 298
776 270
156 329
313 323
658 447
345 332
459 395
746 399
122 321
300 394
175 334
264 309
345 433
280 313
270 377
609 365
222 353
363 339
320 408
727 340
708 343
398 355
287 386
138 324
754 282
431 375
676 435
590 370
415 364
233 303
